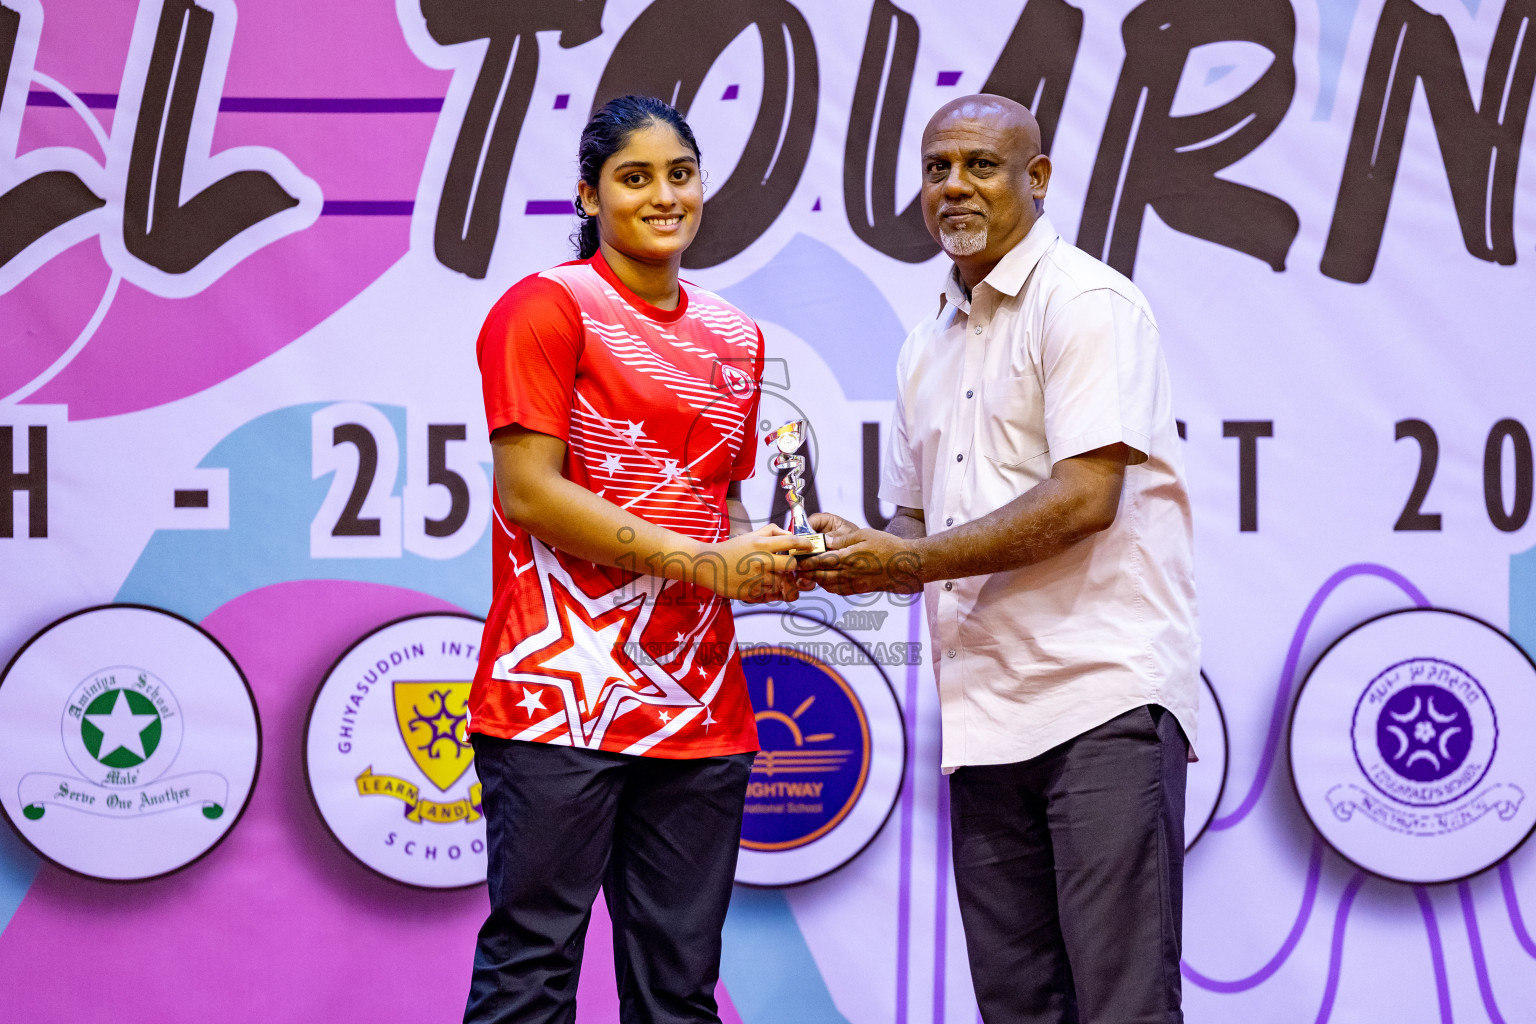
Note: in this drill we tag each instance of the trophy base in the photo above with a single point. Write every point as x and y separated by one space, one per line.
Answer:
818 544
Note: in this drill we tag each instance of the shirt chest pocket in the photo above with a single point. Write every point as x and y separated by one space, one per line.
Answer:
1011 430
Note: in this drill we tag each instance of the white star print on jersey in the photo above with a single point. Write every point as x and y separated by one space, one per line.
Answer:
580 655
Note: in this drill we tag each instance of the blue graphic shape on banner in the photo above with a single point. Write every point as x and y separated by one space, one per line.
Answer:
272 500
1522 600
18 867
767 966
813 290
815 749
1335 19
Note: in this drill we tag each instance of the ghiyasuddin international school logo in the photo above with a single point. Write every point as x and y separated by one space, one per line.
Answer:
135 768
1413 745
833 750
432 717
388 756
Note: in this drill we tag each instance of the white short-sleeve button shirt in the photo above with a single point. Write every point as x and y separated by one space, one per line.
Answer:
1053 355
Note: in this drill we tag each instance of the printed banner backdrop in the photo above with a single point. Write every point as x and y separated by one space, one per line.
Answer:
245 248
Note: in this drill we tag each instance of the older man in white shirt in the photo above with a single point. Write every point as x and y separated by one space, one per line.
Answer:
1035 464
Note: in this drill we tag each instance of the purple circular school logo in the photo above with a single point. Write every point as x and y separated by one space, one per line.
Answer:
1424 732
1426 789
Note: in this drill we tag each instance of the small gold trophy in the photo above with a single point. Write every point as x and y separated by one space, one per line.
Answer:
788 439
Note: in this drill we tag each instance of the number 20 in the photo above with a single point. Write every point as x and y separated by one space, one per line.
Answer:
1506 519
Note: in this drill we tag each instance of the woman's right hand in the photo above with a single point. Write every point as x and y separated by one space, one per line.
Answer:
754 567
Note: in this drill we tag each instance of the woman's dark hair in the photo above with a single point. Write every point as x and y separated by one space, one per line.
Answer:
606 133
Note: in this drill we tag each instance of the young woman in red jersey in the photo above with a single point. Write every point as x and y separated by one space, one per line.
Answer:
612 729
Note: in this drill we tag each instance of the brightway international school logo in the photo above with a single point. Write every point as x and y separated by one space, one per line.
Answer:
833 749
128 742
1411 745
388 757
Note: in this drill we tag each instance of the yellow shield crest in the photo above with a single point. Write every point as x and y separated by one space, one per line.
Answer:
432 716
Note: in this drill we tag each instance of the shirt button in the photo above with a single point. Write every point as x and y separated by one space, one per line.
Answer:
949 584
959 458
950 521
970 394
950 653
978 330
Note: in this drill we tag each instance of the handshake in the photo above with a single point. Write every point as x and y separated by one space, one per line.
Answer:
821 550
775 564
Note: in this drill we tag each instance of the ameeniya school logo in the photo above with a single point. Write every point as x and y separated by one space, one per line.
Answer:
387 752
1412 745
833 750
129 742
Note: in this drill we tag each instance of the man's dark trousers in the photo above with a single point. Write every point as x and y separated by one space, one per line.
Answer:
659 835
1070 872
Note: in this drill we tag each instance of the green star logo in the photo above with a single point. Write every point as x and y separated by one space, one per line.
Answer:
121 728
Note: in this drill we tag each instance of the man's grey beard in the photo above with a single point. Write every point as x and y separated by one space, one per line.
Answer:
963 243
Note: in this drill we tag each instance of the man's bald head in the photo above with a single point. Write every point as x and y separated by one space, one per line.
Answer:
984 180
1003 114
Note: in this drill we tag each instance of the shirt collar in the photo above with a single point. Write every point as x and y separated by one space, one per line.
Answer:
600 264
1012 270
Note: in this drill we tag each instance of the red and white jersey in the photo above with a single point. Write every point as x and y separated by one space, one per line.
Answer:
658 410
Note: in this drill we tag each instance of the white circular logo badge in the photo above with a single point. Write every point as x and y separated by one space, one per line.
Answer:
387 752
129 742
1411 745
833 749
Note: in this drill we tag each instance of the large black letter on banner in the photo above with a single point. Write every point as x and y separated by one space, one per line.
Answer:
34 481
1148 158
1034 69
44 201
1248 433
666 53
157 227
469 211
1036 63
1480 146
885 81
